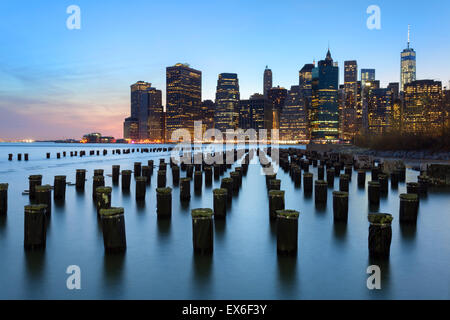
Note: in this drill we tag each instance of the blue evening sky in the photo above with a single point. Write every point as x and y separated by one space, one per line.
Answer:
60 83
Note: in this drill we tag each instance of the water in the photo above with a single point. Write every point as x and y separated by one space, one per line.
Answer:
159 262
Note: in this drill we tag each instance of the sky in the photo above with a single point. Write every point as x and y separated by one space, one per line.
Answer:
57 83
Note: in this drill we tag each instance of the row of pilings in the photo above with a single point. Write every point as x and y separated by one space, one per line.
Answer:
295 162
83 153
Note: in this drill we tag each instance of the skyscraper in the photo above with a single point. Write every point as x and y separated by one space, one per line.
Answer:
255 113
150 116
305 84
207 114
293 117
408 65
423 112
367 75
226 114
324 105
379 111
183 98
146 111
276 97
267 80
351 104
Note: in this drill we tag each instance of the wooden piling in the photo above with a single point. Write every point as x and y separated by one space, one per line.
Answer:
220 203
59 185
3 199
35 228
103 198
409 207
97 181
320 191
343 182
276 202
307 182
202 230
115 174
380 235
113 228
80 179
185 189
340 206
34 180
287 231
374 192
164 202
126 179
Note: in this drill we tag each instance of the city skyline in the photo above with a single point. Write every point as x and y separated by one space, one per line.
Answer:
54 87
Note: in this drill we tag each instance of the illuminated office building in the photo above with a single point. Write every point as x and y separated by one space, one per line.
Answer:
293 117
267 81
408 65
423 109
183 98
367 75
324 121
277 97
255 113
351 104
151 116
379 111
365 93
207 114
131 129
305 84
226 114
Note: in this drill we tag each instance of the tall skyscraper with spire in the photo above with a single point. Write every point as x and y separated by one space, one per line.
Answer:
226 114
324 122
267 80
408 64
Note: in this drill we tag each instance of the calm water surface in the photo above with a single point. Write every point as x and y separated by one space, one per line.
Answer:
159 262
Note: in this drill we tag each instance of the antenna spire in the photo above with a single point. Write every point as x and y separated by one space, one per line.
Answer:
409 34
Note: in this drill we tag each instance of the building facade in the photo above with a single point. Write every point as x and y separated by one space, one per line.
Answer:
324 120
423 111
183 98
267 81
226 114
294 117
408 65
277 97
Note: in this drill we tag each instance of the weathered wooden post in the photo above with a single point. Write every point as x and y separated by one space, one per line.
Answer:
361 178
227 183
307 182
208 175
337 169
374 192
235 177
216 171
10 157
394 179
422 180
141 188
198 181
164 202
59 185
175 175
98 172
297 176
320 191
115 174
126 179
113 227
80 179
137 169
375 173
150 166
270 177
189 170
34 180
44 196
287 231
202 230
35 227
383 179
145 171
275 184
343 182
276 202
380 235
58 155
3 199
409 207
162 179
185 189
26 156
220 203
103 200
348 170
48 155
97 181
330 177
320 172
412 187
401 173
340 206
